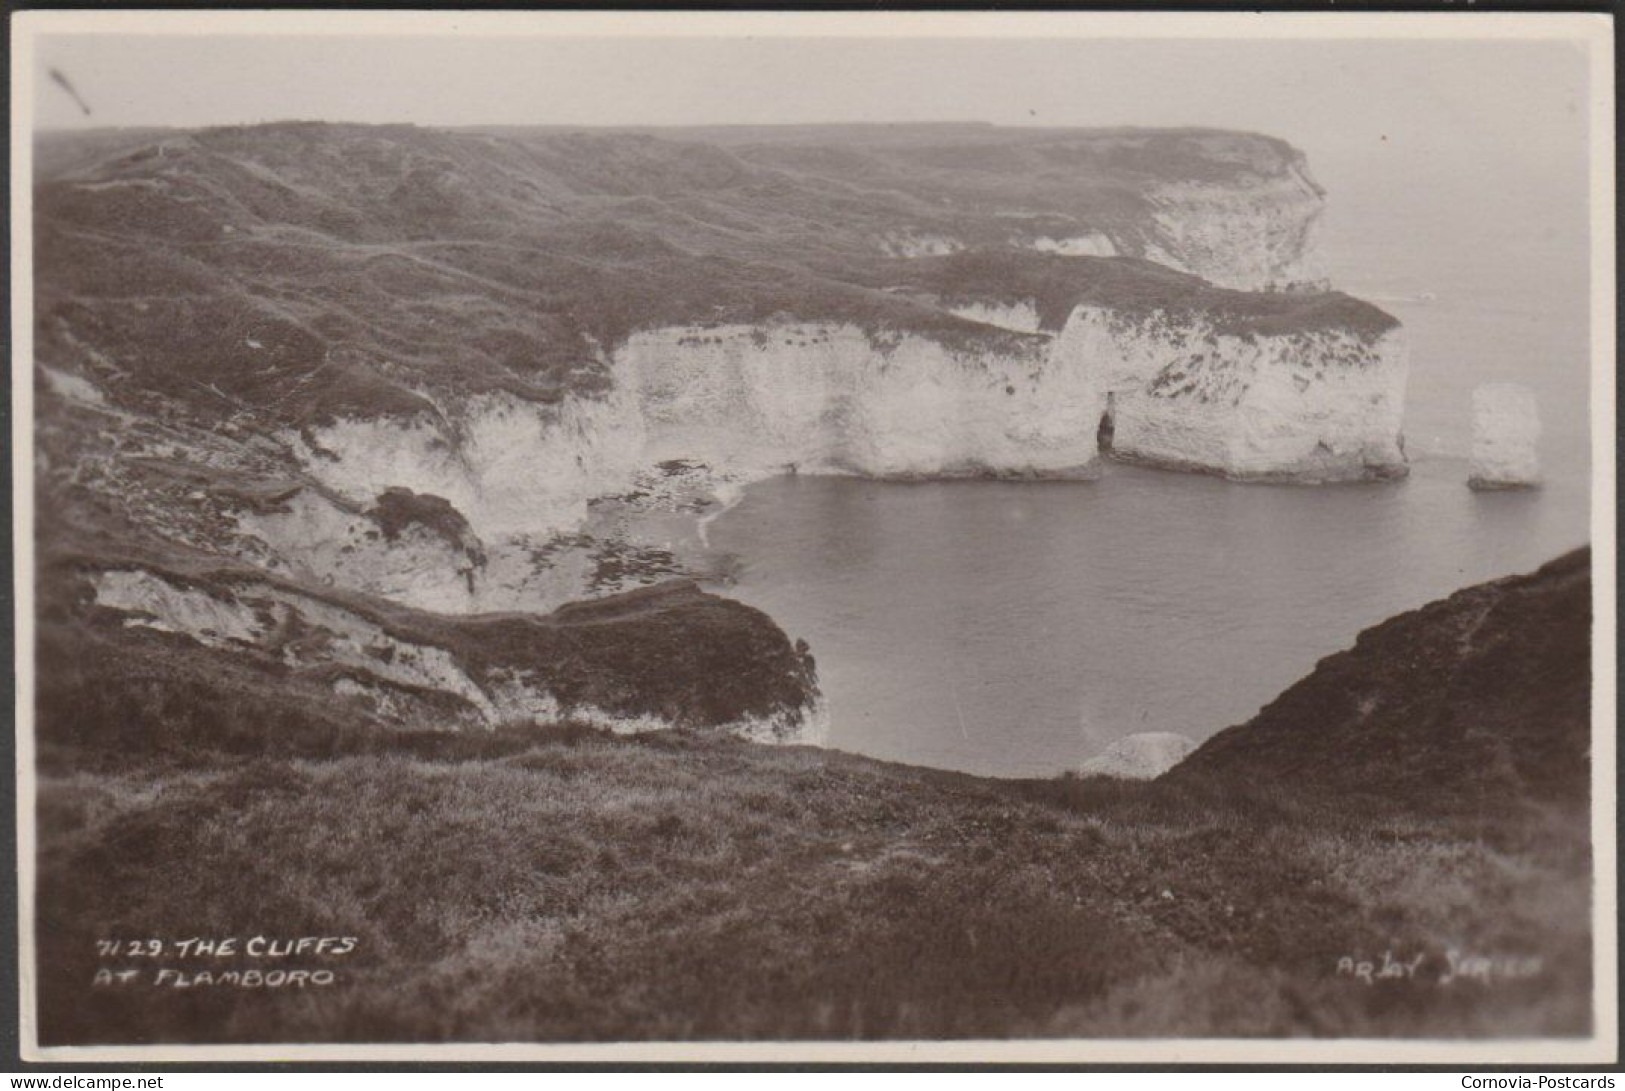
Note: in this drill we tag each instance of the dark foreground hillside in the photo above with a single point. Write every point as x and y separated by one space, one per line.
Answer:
569 885
1479 697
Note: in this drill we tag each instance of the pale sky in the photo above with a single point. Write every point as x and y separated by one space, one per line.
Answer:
1485 98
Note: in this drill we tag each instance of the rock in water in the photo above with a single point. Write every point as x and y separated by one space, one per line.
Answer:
1139 757
1506 437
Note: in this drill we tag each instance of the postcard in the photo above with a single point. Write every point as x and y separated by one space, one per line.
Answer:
783 537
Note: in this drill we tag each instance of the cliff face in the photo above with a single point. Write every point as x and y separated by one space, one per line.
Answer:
834 399
695 411
344 545
508 465
1256 234
1313 405
746 400
1186 385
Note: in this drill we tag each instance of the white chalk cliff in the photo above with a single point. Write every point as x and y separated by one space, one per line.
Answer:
1252 235
1186 393
1506 437
832 398
509 465
1255 234
1181 391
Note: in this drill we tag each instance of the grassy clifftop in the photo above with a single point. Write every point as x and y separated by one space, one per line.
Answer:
299 271
1055 285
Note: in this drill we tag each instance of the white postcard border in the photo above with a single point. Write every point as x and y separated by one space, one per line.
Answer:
1592 33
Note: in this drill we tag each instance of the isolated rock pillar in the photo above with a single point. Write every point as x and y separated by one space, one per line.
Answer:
1506 437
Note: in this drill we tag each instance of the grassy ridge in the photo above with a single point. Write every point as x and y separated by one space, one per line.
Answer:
670 651
1482 696
1055 285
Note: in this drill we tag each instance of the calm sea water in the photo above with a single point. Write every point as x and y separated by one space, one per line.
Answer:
1016 629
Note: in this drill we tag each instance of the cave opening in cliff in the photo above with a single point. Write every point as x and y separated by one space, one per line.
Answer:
1108 427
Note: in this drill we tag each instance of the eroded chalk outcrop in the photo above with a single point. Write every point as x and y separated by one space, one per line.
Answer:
508 464
1189 390
1139 757
410 547
1259 233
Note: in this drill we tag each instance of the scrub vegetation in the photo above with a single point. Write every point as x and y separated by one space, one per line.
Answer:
563 884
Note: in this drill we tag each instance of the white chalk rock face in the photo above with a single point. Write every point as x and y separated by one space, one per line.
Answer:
832 398
749 400
1139 757
911 245
546 488
1089 244
742 401
1506 437
510 466
1184 393
319 540
1257 235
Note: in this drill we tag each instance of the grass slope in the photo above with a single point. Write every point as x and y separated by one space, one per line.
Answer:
560 885
1482 696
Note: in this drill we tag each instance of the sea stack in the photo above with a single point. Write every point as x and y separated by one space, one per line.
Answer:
1506 438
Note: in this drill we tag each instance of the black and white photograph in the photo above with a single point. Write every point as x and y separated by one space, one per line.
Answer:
801 536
